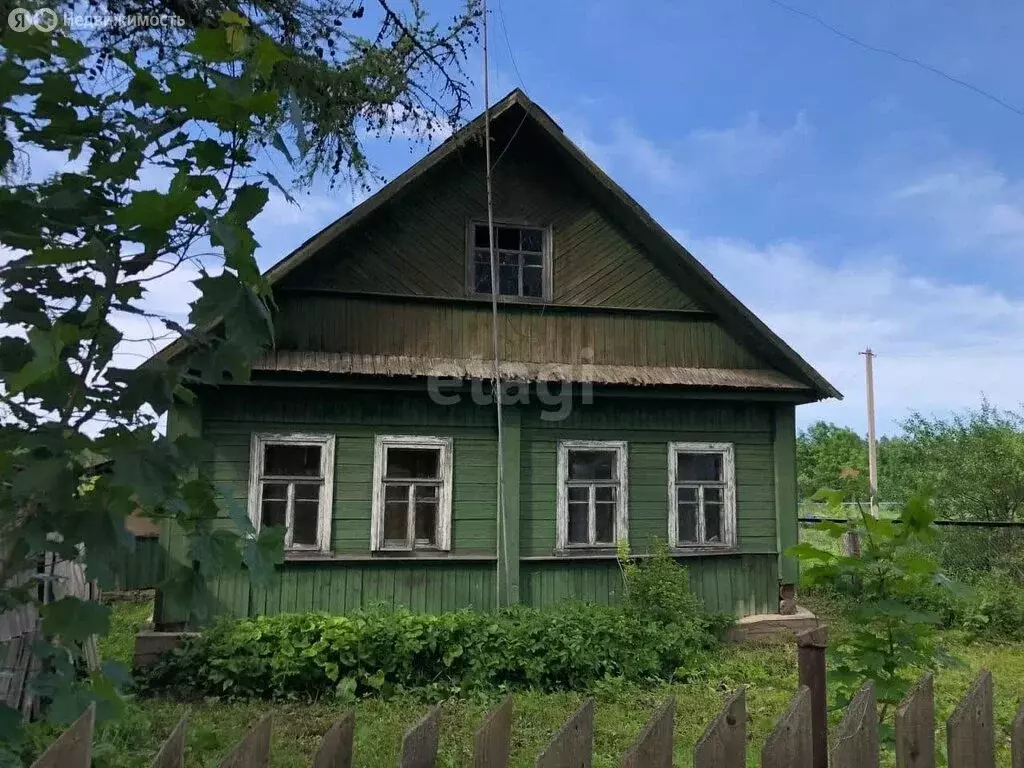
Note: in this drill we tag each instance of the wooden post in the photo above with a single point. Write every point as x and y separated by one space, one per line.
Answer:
492 742
172 753
811 664
419 745
1017 739
787 526
73 749
789 745
253 751
573 745
336 746
653 747
970 736
508 540
855 740
915 727
724 743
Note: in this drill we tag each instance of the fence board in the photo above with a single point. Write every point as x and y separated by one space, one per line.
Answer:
492 742
970 736
1017 739
336 746
73 749
789 745
573 745
253 751
855 739
419 745
811 667
172 753
724 743
653 747
915 727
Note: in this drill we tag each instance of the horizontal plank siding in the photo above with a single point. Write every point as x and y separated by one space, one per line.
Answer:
745 581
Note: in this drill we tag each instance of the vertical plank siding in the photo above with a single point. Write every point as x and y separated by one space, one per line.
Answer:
970 730
915 727
141 568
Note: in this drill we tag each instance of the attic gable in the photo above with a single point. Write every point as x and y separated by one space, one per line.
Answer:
418 244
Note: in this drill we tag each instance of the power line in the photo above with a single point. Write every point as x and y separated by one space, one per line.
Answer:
898 56
519 76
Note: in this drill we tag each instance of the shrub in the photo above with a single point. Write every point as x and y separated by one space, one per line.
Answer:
994 607
659 588
311 655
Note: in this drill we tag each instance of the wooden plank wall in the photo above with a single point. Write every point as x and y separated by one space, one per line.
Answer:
533 334
417 245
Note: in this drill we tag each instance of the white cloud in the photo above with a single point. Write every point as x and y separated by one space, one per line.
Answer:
966 200
940 344
748 148
704 155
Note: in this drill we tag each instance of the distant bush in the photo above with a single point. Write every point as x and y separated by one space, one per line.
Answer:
572 646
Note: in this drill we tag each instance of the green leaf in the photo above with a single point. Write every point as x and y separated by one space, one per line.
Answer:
265 55
75 620
262 553
216 551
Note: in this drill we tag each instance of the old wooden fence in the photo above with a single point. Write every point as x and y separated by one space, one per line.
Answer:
799 740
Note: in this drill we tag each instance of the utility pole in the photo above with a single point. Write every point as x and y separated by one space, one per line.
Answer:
869 357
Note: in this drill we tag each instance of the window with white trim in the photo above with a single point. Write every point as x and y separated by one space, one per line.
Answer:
291 480
412 493
702 495
522 253
592 494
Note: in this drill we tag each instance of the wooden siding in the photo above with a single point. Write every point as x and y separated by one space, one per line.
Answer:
355 418
344 587
380 326
740 584
746 581
418 243
648 427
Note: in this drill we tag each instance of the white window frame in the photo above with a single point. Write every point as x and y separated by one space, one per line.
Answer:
728 453
444 503
620 447
546 261
260 440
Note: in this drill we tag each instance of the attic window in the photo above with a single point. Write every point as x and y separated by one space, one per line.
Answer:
522 253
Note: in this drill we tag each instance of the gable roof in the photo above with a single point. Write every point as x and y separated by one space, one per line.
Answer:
676 259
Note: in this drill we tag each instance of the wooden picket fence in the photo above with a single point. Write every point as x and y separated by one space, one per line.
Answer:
799 740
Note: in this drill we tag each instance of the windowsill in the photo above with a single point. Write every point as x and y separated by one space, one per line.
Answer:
383 557
508 299
609 553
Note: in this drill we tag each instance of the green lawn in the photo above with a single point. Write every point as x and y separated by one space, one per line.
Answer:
621 711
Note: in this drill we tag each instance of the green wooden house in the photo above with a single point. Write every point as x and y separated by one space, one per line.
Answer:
642 400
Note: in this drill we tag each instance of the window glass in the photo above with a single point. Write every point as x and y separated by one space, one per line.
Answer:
698 467
413 463
520 256
291 460
275 504
591 465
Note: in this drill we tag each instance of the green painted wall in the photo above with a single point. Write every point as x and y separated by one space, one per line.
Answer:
744 582
648 426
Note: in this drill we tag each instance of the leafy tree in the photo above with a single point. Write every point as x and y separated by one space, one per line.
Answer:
349 67
891 637
156 172
828 456
972 461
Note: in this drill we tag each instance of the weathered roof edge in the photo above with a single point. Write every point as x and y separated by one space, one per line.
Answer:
468 132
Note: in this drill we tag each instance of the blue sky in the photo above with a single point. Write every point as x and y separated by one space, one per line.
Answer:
848 198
